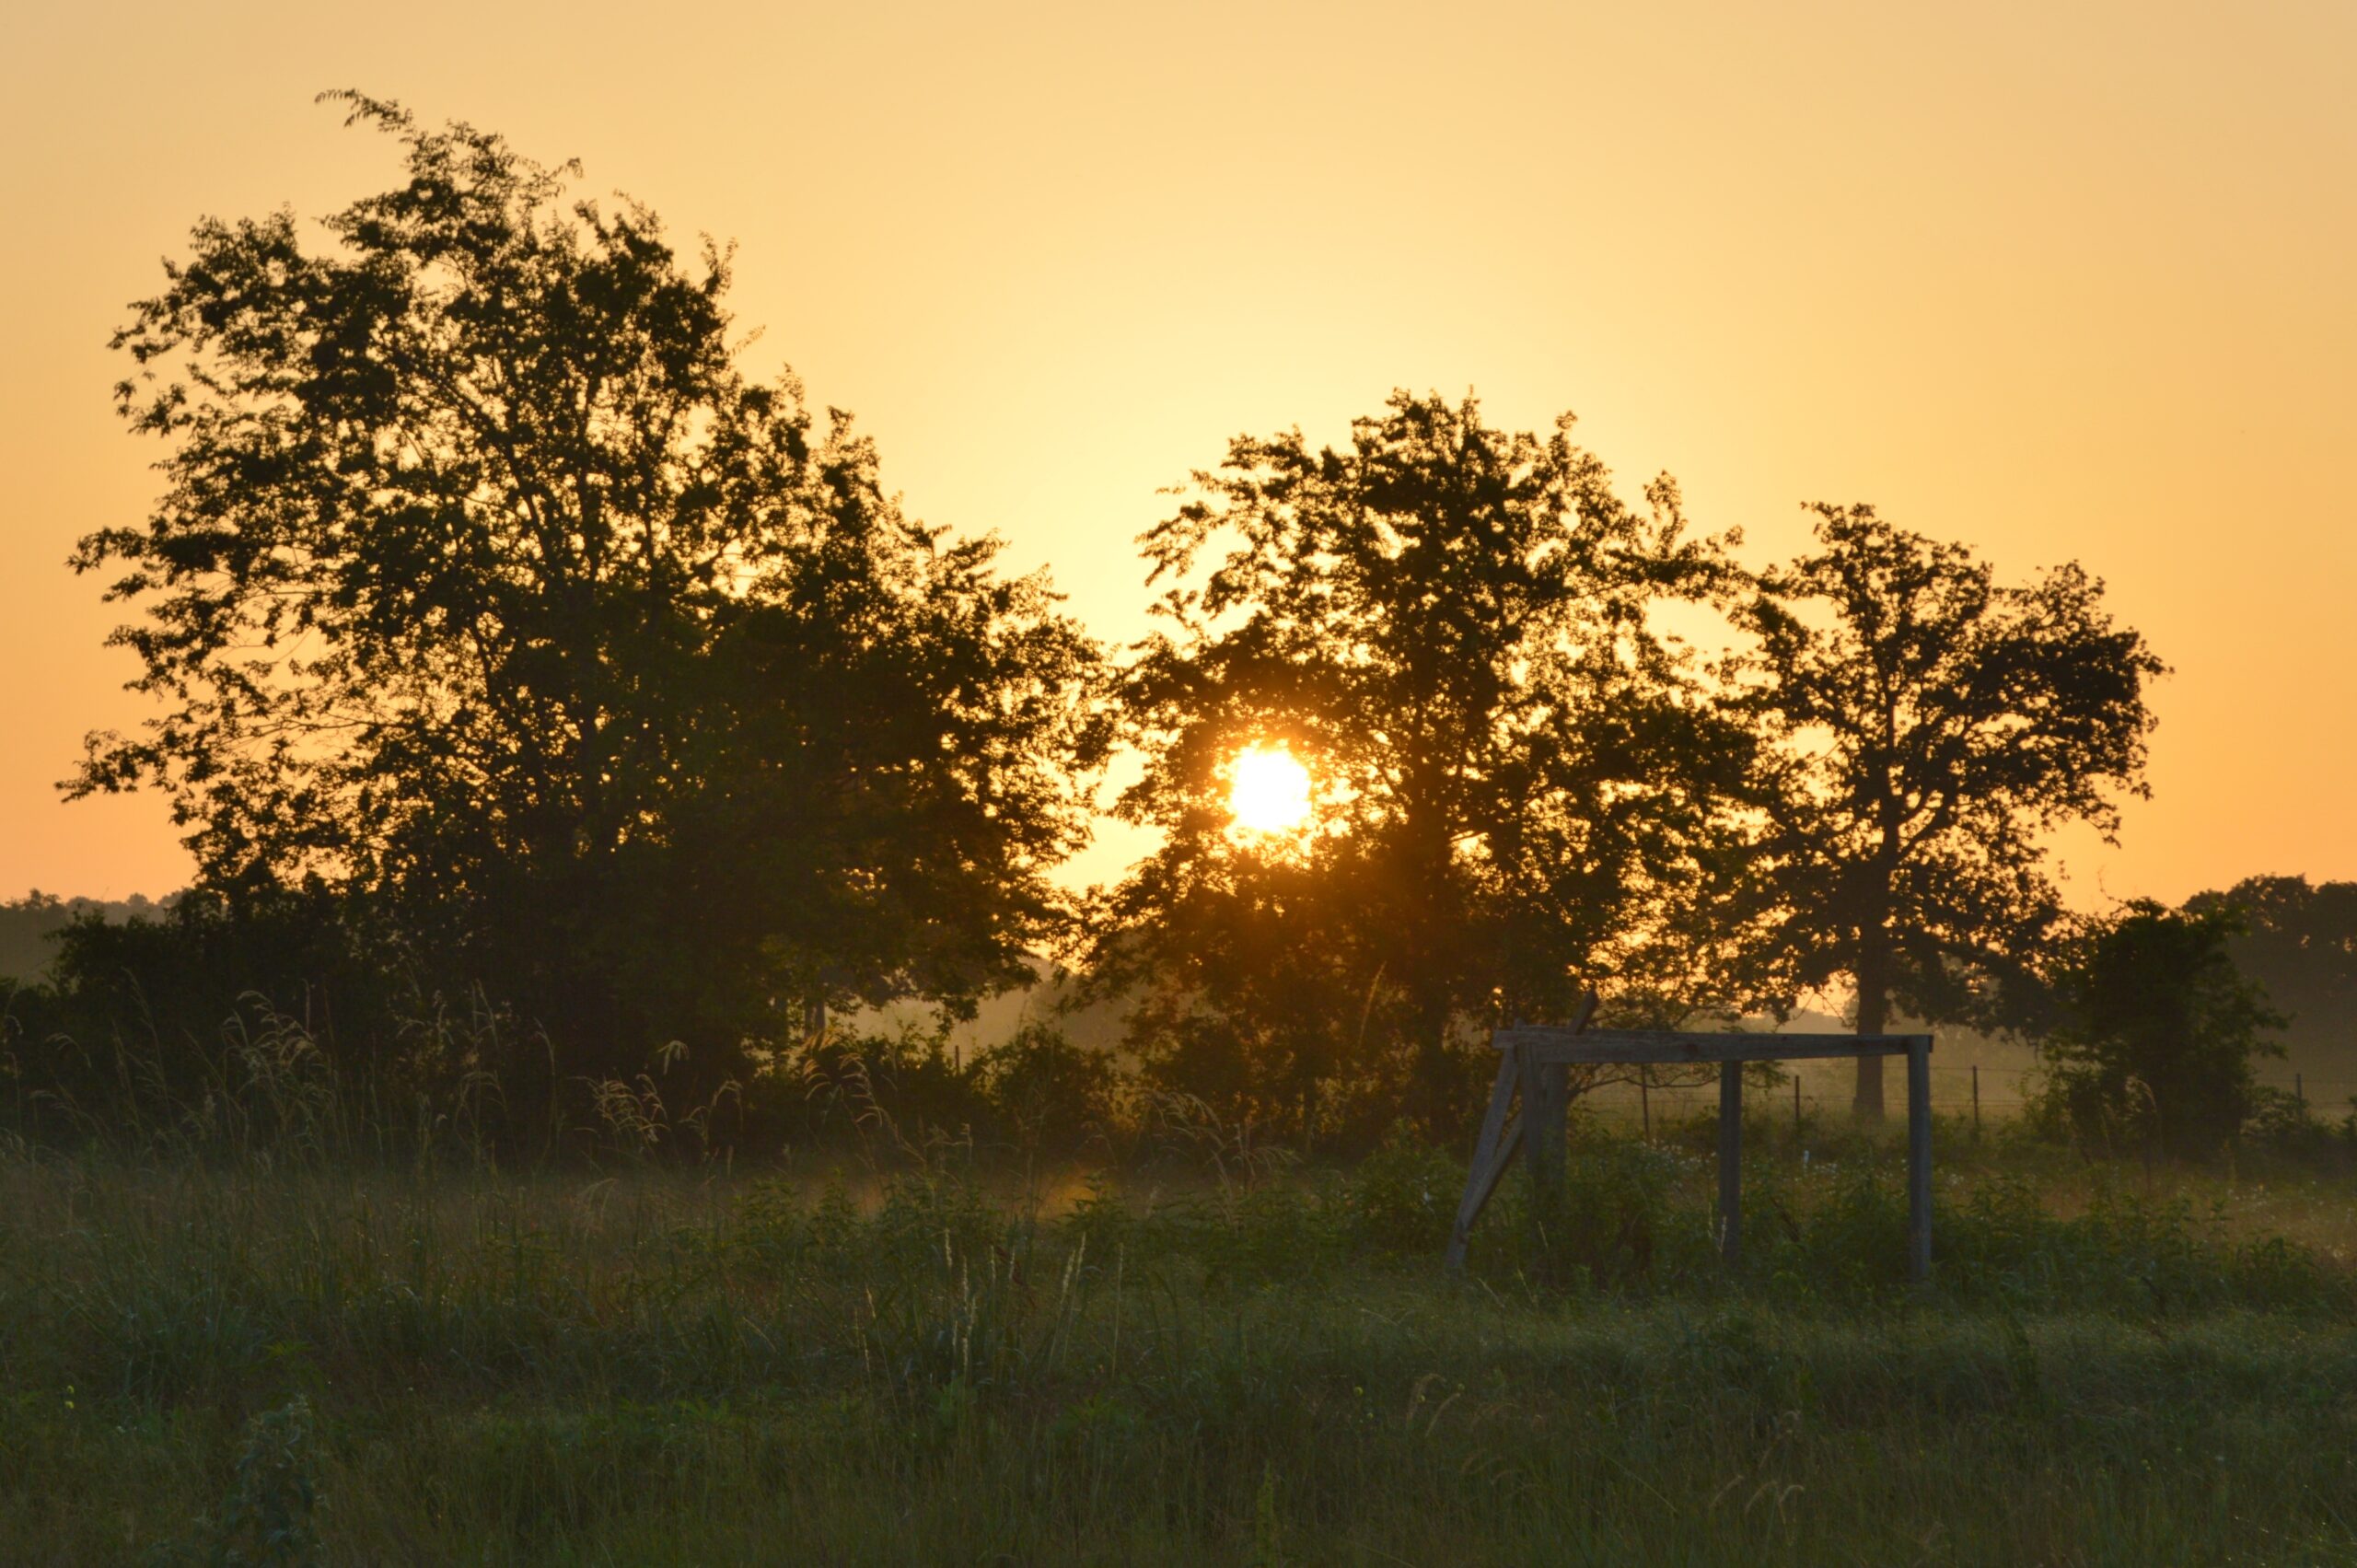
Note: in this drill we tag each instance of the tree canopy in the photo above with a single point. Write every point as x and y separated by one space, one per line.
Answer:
1921 727
486 587
1452 627
497 616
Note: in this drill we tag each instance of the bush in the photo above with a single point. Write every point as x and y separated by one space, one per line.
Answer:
266 1519
1047 1092
2158 1034
1402 1200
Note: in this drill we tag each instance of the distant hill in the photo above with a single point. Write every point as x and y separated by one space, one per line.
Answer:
26 924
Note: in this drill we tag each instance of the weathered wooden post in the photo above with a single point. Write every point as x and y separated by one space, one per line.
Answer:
1546 1107
1731 1162
1919 1160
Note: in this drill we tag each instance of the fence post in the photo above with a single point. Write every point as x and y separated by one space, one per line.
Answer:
1976 1102
2300 1092
1919 1160
1797 1105
1538 1133
1731 1162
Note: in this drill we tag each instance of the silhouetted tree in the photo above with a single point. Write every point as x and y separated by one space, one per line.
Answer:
1452 627
2158 1029
1921 727
488 591
2298 941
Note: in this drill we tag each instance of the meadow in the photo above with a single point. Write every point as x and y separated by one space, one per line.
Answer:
1197 1352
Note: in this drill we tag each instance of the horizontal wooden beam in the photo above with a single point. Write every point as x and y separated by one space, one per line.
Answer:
1549 1045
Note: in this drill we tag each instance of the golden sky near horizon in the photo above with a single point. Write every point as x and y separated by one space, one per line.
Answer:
2057 280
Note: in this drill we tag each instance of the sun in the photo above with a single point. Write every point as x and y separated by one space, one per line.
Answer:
1271 792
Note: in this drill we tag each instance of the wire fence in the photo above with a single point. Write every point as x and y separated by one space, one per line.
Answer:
1816 1090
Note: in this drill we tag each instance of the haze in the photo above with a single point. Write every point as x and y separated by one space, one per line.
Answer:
2060 282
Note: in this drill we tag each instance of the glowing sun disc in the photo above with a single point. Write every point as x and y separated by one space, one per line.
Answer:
1271 792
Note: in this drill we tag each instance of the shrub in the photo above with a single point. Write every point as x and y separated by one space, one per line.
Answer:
266 1520
905 1085
1046 1091
1402 1200
2158 1034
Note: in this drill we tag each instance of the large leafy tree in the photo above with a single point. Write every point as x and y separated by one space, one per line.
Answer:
1923 728
486 589
1453 628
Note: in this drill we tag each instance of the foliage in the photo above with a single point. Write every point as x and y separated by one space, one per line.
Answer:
1922 728
1517 774
487 592
1050 1092
904 1085
1604 1225
267 1519
1400 1201
2298 942
2158 1032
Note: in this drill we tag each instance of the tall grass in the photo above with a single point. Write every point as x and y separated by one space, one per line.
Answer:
1232 1361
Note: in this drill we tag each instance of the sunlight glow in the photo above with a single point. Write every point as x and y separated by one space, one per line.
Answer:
1271 792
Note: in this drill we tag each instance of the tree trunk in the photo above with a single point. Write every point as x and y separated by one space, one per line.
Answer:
1874 1014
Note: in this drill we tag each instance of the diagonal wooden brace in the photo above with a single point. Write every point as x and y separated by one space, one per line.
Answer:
1503 1134
1492 1152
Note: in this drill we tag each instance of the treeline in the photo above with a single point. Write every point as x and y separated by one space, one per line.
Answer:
137 1033
520 660
29 927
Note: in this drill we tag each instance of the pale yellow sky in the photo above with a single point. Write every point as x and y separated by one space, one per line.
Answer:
2057 280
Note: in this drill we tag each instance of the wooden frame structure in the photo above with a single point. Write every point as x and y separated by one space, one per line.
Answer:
1534 1062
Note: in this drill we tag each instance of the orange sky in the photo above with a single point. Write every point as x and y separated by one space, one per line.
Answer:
2057 280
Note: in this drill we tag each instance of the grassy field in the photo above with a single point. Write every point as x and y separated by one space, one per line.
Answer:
1241 1364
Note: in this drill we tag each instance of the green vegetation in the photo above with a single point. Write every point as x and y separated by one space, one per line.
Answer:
1515 777
518 652
1206 1357
570 730
1925 728
497 624
2158 1031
